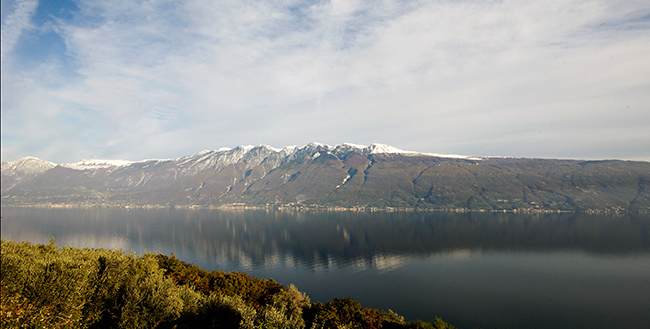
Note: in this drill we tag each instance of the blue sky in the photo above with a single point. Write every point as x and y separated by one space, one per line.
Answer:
161 79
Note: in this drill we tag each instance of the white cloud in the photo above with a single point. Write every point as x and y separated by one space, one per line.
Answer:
474 77
14 24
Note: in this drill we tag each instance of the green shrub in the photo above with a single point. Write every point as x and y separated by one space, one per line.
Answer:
256 292
436 324
345 313
78 288
135 294
285 310
44 286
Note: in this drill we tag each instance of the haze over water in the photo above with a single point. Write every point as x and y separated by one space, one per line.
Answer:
473 270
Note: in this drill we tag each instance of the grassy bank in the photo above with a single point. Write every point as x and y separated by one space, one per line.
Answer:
46 286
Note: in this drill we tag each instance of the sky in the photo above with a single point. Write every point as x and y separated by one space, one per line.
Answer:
156 79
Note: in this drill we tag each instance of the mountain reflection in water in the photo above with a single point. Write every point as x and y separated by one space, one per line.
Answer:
319 240
472 269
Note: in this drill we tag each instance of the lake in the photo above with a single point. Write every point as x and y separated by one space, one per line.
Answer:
488 270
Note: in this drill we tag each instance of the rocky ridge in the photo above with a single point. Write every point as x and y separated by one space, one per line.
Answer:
14 172
345 176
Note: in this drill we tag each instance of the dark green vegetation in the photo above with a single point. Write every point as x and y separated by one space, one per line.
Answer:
44 286
349 179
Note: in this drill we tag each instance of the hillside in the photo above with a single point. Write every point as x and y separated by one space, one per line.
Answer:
44 286
15 172
345 175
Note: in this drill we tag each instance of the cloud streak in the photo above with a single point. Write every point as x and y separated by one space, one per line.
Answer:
15 23
165 78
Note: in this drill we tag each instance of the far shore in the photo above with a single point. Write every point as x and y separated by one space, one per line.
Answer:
298 207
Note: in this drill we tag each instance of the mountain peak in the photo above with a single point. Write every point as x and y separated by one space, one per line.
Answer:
346 175
14 172
226 155
28 163
290 152
383 148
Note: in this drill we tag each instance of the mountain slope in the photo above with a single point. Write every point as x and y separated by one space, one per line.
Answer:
345 175
15 172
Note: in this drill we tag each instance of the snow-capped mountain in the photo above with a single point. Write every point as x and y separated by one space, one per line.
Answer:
13 172
254 155
251 156
248 156
345 175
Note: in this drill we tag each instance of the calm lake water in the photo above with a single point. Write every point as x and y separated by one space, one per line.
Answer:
473 270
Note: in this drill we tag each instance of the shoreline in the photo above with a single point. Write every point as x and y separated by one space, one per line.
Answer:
295 207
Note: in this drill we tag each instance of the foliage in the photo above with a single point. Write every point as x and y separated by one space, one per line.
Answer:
79 288
348 313
183 273
436 324
44 286
256 292
285 310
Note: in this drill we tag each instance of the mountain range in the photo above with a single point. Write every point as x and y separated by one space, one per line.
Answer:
348 176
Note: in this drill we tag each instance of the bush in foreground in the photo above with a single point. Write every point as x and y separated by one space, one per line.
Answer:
44 286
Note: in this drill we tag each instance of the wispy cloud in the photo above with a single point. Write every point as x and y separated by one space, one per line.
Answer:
168 78
15 23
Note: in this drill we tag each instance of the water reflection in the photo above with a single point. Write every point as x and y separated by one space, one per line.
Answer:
321 240
474 270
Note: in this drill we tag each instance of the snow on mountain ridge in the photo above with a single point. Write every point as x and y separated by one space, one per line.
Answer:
13 172
377 148
252 155
88 164
244 157
28 163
